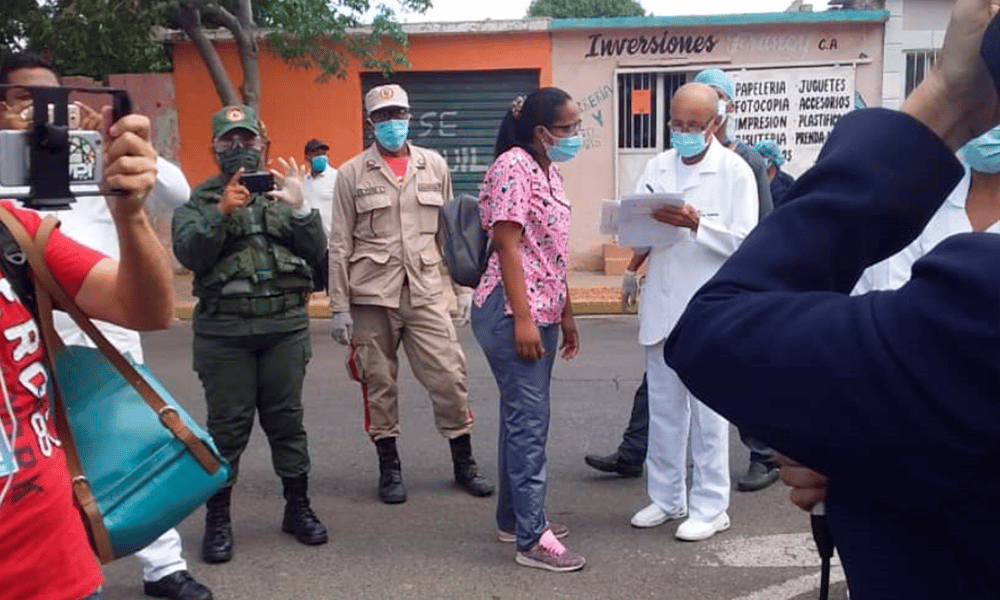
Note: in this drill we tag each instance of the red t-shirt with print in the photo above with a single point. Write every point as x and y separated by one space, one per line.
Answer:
44 551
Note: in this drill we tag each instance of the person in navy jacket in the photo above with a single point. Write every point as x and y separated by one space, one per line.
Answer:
894 396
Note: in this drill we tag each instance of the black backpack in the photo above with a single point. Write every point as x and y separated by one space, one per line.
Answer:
465 245
14 266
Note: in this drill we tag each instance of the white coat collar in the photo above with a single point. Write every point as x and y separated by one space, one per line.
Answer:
961 191
709 164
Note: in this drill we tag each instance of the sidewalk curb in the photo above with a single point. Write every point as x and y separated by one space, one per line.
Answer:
321 310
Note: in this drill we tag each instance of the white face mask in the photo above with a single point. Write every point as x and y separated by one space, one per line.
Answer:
723 105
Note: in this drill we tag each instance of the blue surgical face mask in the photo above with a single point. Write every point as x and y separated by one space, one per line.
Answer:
565 148
688 145
983 153
319 163
392 134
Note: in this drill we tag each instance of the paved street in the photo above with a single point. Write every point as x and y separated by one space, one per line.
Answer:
440 543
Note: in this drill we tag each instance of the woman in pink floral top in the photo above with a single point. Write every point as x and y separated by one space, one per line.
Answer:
521 305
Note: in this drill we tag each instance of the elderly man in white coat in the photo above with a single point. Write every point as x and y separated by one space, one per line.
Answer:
720 208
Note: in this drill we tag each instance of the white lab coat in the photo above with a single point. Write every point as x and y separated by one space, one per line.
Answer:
950 219
725 192
723 189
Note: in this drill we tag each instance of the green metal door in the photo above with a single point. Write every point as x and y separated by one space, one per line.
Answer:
458 114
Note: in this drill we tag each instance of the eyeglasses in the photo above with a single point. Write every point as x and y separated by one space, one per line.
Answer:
571 129
390 114
689 127
243 140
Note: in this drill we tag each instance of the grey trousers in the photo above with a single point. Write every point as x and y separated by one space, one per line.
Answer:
524 419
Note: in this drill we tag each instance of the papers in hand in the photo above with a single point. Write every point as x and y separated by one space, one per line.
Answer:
630 218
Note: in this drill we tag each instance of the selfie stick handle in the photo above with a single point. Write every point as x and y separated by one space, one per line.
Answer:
825 546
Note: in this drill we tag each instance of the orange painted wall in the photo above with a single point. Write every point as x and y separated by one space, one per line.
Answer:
295 107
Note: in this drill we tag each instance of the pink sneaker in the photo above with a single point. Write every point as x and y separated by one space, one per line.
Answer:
558 530
550 554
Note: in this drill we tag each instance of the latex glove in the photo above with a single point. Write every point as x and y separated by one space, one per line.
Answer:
342 327
288 185
630 290
463 309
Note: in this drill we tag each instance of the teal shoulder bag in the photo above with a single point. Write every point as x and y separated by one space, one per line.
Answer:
139 463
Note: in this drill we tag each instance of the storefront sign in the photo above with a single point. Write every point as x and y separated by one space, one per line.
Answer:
795 107
656 44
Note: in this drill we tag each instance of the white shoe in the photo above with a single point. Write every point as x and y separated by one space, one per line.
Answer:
693 531
653 515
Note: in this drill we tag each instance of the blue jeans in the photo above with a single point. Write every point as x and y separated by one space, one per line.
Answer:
524 419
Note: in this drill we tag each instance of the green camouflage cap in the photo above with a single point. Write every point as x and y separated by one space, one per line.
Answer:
234 117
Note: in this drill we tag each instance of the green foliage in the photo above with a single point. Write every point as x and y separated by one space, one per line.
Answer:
585 9
94 38
100 37
316 33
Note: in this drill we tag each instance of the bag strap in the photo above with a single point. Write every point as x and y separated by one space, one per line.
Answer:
46 283
100 539
47 288
41 308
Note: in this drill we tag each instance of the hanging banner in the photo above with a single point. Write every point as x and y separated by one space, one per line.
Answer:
795 107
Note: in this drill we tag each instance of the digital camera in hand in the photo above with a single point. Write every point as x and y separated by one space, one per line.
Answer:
50 163
85 167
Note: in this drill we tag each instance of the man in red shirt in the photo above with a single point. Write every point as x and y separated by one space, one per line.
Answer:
44 551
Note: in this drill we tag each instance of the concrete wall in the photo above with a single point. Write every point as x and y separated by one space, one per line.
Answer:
295 107
912 25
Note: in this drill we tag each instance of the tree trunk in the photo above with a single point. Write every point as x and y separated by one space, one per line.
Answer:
242 27
189 19
248 55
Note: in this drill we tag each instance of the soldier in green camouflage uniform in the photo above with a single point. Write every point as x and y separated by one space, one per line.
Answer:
250 254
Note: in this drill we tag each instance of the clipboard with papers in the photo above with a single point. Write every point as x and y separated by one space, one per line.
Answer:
630 218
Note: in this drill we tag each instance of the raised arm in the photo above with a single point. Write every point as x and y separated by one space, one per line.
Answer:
136 292
774 343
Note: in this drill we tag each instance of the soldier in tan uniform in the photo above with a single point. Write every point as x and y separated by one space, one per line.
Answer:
386 289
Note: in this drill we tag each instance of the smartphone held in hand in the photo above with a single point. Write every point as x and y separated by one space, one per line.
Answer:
257 183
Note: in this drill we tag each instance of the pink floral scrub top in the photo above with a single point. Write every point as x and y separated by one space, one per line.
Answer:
515 189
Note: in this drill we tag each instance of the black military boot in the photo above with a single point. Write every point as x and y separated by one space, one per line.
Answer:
217 545
300 520
466 472
390 482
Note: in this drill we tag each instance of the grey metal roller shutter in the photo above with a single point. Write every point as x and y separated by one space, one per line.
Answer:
458 114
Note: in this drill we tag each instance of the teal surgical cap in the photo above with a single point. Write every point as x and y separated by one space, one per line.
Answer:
769 149
716 78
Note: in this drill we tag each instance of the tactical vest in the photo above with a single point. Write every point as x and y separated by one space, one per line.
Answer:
255 261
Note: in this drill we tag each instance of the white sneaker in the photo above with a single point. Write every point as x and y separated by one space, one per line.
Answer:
693 531
653 515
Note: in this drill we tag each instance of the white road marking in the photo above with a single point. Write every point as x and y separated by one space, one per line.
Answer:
779 550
